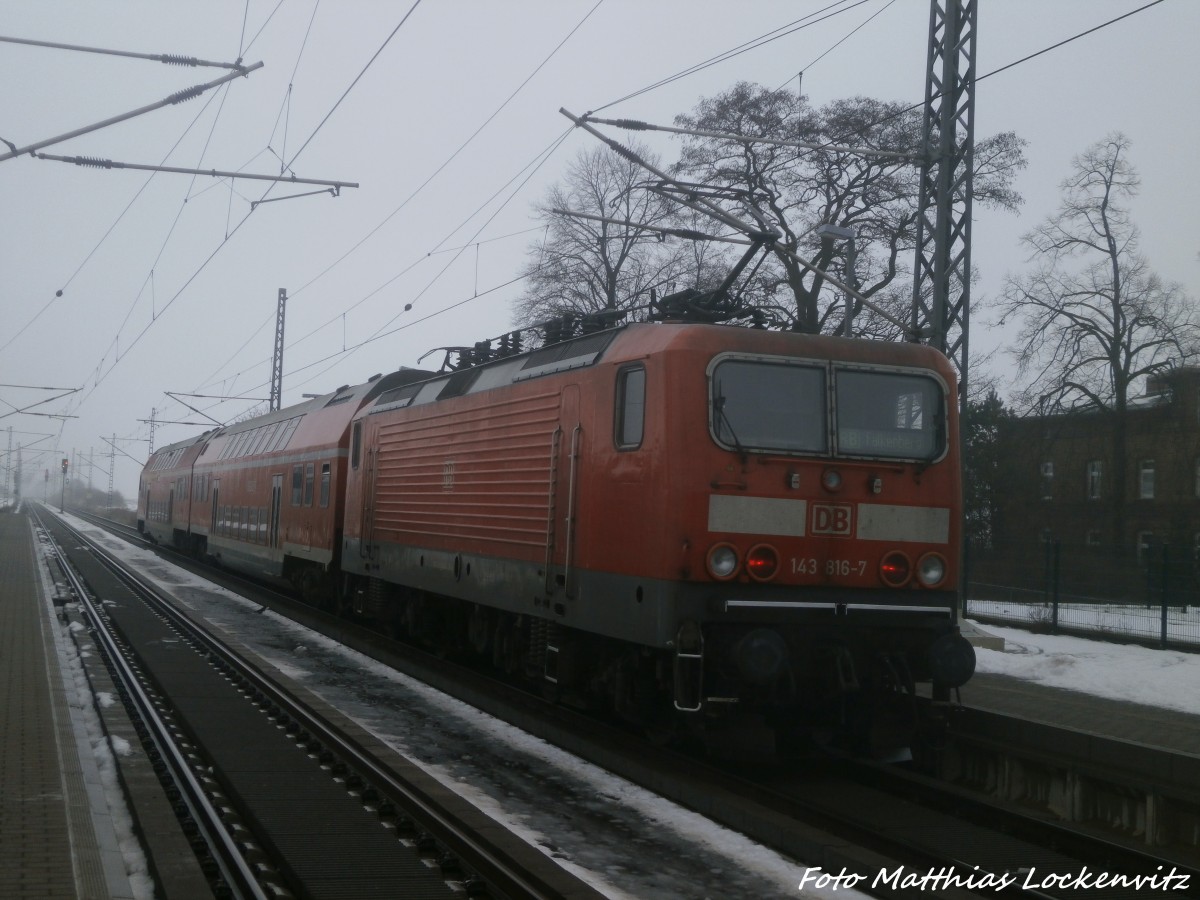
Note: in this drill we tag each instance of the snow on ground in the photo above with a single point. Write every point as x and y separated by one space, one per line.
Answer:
625 841
83 703
1164 678
622 839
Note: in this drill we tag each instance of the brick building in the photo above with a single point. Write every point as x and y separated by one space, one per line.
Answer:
1056 484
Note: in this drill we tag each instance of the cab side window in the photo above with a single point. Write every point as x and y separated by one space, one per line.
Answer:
630 411
356 444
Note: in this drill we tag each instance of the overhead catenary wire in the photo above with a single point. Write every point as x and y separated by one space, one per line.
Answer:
1025 59
470 139
212 255
533 169
883 120
752 44
414 194
285 110
66 284
853 31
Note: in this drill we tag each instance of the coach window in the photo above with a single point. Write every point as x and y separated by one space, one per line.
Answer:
297 484
308 484
324 485
631 407
356 444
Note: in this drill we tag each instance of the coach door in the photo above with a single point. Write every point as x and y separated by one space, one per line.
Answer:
276 501
563 511
216 489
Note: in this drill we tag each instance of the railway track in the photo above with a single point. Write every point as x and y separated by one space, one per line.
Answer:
282 799
883 829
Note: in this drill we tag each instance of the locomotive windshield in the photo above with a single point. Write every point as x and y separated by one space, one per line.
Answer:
888 415
770 406
783 407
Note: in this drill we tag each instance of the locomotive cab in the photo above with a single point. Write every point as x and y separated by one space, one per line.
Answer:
795 501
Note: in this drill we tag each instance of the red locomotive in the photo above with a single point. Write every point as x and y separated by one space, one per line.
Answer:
755 527
744 530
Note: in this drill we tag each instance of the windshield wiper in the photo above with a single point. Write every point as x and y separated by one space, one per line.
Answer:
722 418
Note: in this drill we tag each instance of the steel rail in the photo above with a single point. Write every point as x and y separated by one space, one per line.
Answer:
504 876
235 870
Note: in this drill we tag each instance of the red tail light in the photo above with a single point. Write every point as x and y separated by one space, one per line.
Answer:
895 569
762 562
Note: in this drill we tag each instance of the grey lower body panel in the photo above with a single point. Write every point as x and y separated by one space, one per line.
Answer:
248 558
644 611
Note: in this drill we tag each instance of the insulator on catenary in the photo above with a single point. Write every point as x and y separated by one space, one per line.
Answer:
172 59
93 161
187 94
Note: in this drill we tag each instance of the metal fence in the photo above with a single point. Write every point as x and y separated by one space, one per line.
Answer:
1151 599
1162 626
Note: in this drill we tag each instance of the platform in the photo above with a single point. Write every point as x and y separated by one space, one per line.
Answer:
1149 726
979 637
57 838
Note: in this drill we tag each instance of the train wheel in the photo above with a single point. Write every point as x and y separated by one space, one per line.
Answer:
507 645
480 630
343 602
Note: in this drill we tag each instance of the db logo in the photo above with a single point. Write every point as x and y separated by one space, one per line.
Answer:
831 518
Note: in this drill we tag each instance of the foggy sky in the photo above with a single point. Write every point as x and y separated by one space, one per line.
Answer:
169 282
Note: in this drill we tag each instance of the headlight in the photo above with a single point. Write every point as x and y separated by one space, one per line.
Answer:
831 480
931 569
722 562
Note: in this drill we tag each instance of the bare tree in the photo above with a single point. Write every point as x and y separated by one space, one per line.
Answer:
1094 318
794 190
586 266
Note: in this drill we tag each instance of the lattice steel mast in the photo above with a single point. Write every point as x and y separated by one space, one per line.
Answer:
942 281
277 360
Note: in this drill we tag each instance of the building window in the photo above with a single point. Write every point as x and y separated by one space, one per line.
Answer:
1047 469
1145 541
1093 538
1146 479
1094 472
